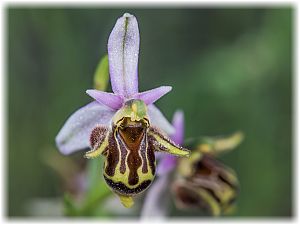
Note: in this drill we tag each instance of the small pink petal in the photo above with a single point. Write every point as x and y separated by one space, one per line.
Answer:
153 95
109 99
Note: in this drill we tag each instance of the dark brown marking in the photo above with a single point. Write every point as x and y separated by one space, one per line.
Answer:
134 161
132 133
203 169
150 154
188 196
133 138
213 194
226 181
112 156
121 188
208 166
144 151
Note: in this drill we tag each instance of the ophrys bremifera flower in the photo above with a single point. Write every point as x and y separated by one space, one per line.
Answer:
124 126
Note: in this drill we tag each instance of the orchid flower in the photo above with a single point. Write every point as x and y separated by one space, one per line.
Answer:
201 180
124 126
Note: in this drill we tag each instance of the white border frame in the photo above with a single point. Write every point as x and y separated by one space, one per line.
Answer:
154 3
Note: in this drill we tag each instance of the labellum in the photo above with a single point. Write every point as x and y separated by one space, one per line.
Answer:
128 146
206 184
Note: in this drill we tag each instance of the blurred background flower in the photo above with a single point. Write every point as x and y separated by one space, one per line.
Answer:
198 182
231 69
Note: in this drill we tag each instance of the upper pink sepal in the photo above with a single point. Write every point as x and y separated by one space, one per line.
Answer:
123 52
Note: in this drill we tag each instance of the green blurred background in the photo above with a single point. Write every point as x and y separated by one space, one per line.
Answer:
231 69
